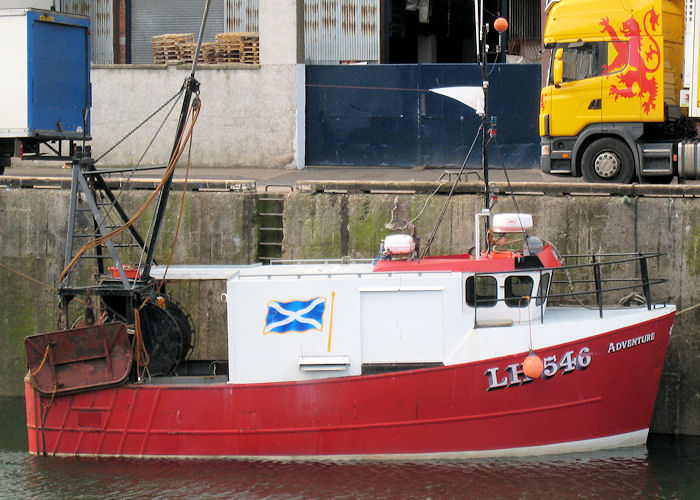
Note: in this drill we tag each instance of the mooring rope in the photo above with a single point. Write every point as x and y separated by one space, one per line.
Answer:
26 276
688 309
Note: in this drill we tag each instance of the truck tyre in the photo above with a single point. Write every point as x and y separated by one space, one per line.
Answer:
607 160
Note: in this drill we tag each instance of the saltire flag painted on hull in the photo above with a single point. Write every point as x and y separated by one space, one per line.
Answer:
295 316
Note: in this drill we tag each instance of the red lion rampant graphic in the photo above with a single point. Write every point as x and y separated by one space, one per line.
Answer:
629 53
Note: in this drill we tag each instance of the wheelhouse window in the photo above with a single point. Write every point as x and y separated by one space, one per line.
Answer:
518 290
543 289
583 60
482 291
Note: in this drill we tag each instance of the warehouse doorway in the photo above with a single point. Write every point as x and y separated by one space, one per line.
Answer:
434 31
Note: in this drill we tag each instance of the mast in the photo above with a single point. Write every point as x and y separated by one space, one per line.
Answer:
477 99
485 116
487 131
488 128
191 86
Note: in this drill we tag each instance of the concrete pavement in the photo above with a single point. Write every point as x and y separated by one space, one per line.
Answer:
315 178
271 176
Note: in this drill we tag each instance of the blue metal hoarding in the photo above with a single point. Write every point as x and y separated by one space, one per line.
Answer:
373 115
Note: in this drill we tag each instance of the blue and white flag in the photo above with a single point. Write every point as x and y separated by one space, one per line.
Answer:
295 316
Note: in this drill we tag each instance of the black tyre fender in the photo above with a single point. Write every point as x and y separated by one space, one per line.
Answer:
607 160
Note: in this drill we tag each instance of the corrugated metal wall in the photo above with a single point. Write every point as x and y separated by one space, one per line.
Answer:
341 30
101 13
157 17
241 15
524 19
335 30
81 7
524 31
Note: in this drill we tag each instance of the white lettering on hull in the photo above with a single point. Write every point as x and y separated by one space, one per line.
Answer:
633 342
568 362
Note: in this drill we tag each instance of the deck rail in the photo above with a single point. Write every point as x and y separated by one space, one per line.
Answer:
598 273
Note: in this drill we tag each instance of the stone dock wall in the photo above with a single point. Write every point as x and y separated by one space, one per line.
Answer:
222 228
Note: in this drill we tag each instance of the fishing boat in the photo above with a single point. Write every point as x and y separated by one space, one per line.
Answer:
420 358
506 349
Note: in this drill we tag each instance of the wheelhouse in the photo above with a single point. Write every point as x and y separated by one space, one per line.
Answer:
502 299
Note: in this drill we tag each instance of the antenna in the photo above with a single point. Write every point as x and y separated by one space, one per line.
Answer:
488 124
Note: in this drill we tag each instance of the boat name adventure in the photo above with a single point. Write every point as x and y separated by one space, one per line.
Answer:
625 344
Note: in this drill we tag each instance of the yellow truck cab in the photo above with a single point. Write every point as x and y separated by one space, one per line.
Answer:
614 107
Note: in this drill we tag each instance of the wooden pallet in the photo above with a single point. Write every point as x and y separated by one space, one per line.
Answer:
228 54
207 53
241 47
167 47
250 50
228 48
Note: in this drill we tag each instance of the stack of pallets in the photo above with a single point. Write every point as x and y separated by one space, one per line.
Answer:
207 53
167 47
250 48
238 48
228 48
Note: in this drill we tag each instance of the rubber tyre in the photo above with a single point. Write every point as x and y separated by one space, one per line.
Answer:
607 160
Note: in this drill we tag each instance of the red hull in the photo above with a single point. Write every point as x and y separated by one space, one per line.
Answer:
432 411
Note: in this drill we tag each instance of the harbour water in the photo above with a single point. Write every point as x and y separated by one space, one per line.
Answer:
668 467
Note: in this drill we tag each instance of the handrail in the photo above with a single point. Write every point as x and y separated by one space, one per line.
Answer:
601 283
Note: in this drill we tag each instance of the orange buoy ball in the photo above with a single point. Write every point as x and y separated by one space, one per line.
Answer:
532 365
500 24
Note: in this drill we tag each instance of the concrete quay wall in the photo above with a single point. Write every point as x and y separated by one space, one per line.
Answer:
222 228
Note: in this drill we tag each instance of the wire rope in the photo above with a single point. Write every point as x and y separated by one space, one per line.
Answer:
449 196
128 134
192 115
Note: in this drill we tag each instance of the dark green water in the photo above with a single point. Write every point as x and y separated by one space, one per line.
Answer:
668 467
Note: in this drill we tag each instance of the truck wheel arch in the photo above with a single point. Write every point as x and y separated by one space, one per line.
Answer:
626 133
608 160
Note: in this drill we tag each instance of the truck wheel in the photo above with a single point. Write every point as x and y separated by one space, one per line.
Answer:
607 160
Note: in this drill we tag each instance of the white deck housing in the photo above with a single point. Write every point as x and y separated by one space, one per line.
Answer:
348 316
